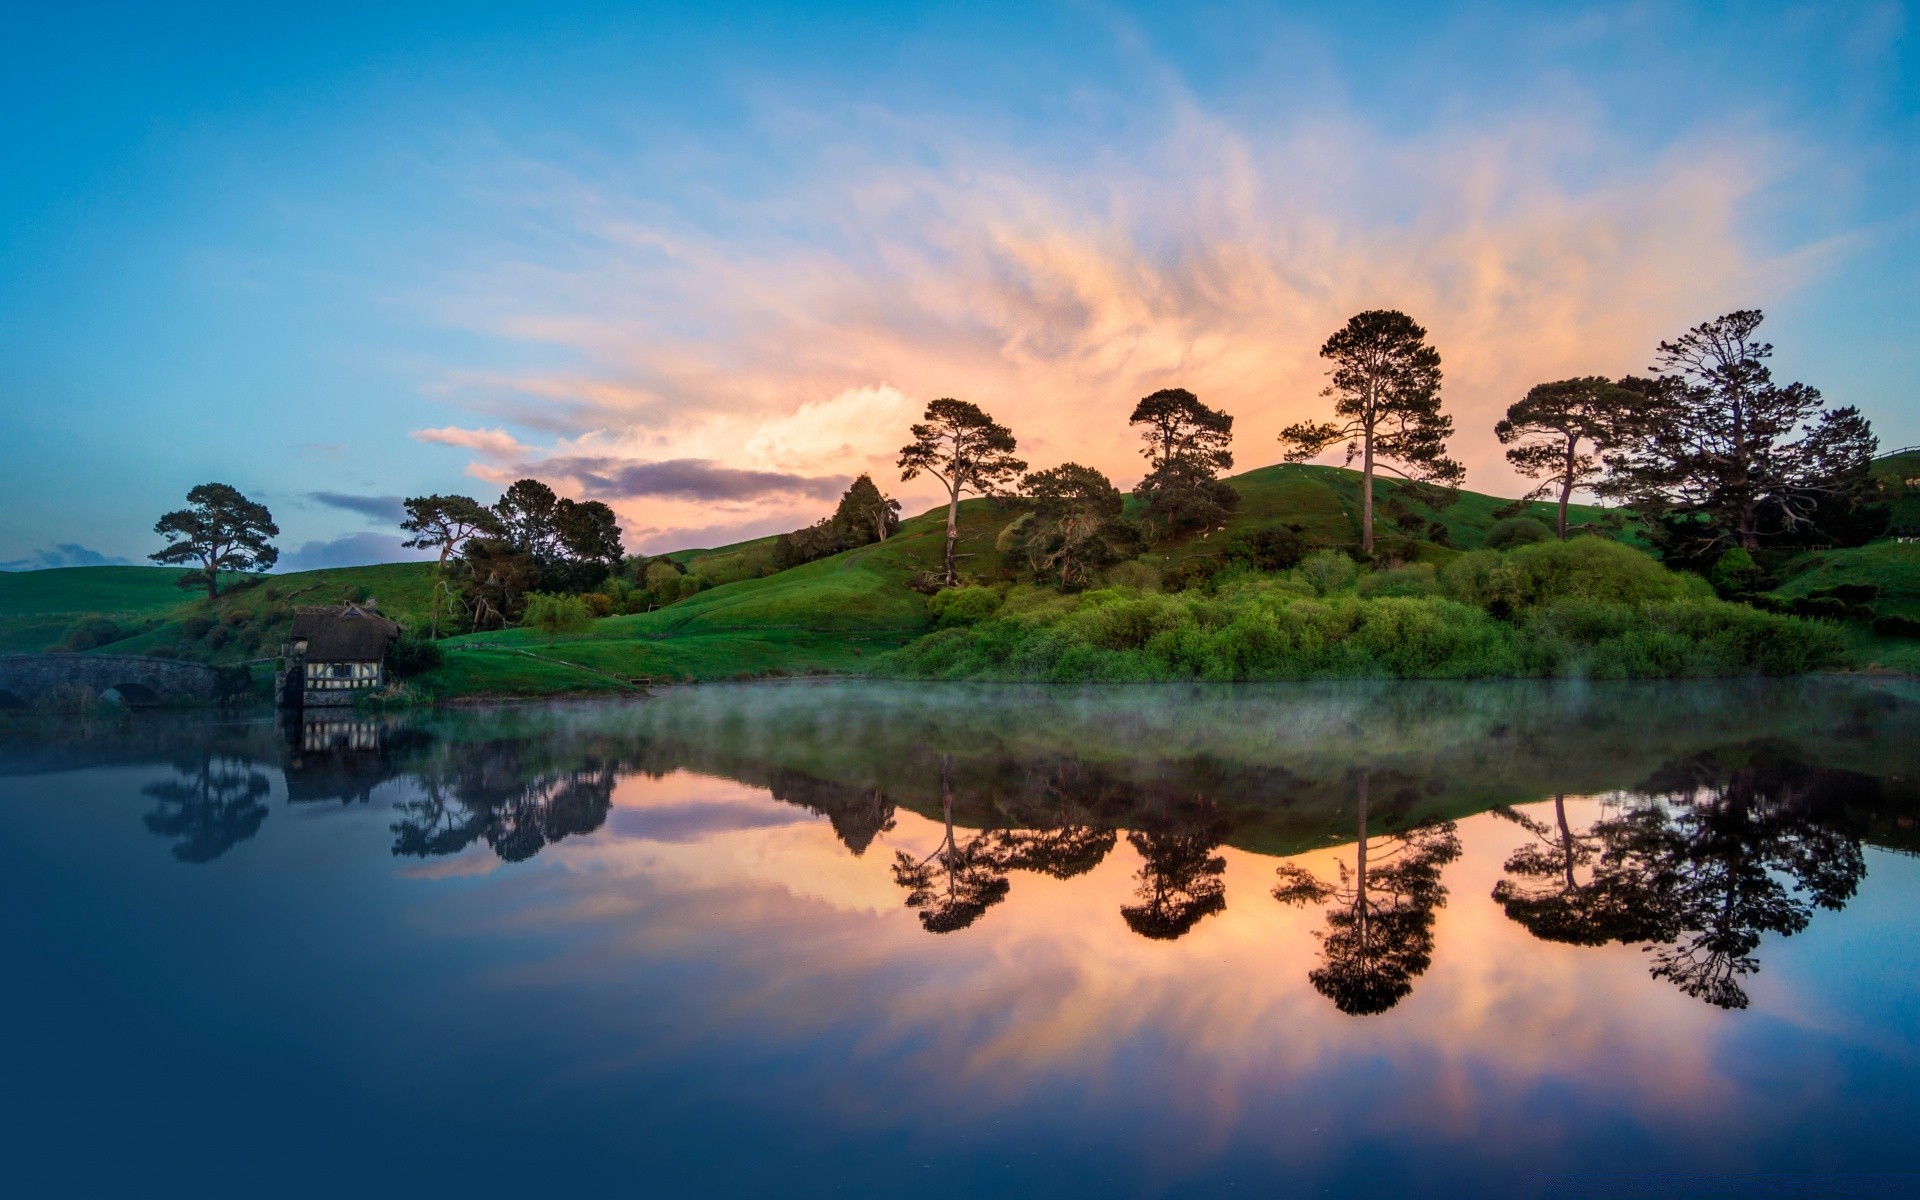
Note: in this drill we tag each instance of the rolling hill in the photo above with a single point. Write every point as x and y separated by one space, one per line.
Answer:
832 615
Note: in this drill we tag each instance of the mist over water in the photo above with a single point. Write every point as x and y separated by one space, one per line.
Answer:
862 939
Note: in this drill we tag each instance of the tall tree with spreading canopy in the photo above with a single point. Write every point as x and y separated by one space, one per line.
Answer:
588 538
862 507
444 523
1731 457
222 531
1386 398
1181 880
1186 448
967 451
1557 432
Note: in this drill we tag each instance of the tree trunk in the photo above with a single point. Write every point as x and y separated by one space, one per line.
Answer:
1566 836
213 581
1366 497
1566 484
1360 854
953 527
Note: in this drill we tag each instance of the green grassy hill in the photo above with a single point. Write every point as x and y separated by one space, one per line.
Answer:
833 615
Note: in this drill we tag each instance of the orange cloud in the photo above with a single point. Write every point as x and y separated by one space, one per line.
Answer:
496 442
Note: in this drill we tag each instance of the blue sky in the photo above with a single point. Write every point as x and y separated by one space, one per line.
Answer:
707 262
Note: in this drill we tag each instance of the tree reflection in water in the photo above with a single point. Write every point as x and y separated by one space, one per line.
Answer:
1180 880
958 882
487 793
213 806
1710 860
1379 934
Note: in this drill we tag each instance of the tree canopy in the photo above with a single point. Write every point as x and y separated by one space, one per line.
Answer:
1186 448
1074 525
222 530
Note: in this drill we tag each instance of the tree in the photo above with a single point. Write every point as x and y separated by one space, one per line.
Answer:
1546 429
863 508
1379 934
495 579
1386 394
588 537
446 522
958 882
528 513
1727 457
967 451
1180 880
1186 449
213 806
557 615
1074 525
222 531
1563 887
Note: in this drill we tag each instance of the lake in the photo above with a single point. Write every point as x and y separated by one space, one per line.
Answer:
849 939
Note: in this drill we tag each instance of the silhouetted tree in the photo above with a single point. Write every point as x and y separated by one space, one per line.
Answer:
1180 878
588 537
1379 934
1746 855
959 881
1563 887
1186 449
863 507
1386 394
1733 457
1555 434
222 530
213 806
444 523
967 451
528 513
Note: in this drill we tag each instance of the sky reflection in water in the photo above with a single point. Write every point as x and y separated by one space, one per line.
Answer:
848 939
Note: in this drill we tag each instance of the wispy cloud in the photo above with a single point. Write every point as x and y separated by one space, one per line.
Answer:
496 442
387 509
66 554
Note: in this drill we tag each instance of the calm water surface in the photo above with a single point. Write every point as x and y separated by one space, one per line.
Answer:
847 939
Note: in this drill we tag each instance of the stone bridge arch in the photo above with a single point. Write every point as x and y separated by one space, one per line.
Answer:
26 678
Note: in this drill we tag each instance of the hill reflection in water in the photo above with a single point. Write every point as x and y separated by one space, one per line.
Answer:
1489 925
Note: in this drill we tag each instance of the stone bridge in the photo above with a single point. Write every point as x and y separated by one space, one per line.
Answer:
26 678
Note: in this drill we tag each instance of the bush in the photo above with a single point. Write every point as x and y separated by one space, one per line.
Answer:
1328 571
89 633
1516 531
963 606
1897 626
1417 579
556 616
1591 569
1141 577
353 593
196 627
1277 549
1192 573
599 604
1735 576
411 655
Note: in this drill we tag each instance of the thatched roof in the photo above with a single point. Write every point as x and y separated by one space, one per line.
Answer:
355 633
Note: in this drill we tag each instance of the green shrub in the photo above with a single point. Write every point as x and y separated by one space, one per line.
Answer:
1516 531
1277 549
556 616
411 655
1141 577
963 605
1590 569
89 633
1416 579
196 626
1896 626
1736 576
1327 571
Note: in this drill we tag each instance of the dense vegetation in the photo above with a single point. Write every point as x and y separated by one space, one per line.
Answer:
1583 608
